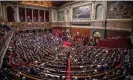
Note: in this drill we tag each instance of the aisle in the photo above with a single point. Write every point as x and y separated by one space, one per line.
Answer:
68 72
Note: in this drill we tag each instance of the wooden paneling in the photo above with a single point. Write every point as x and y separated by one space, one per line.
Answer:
82 31
111 33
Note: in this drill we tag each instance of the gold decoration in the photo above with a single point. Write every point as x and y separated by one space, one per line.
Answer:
38 3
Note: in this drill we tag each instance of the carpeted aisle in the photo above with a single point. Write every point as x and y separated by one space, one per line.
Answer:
68 72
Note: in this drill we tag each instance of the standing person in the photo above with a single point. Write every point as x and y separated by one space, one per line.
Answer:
91 41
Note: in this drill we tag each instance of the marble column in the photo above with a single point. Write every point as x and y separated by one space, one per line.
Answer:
4 17
93 11
70 13
65 15
17 13
44 15
50 17
105 10
0 9
38 15
25 15
53 18
32 15
54 15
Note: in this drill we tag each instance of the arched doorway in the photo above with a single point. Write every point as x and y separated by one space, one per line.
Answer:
10 14
96 36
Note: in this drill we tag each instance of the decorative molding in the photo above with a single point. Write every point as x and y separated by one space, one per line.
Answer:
125 20
28 6
118 29
71 3
60 15
96 27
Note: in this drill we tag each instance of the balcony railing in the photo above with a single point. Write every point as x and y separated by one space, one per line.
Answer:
111 24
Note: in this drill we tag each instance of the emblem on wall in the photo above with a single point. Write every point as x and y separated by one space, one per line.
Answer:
60 15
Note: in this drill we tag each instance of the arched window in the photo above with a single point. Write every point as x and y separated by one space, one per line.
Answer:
99 12
10 14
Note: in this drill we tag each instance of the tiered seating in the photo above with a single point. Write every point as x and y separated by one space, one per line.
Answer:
37 50
42 56
99 63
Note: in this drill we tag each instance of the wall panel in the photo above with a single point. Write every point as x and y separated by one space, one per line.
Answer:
82 31
112 33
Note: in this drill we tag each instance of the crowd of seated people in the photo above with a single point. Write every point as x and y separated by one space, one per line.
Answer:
40 51
41 55
95 61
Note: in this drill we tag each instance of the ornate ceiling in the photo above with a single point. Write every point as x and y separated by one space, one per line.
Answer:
44 3
38 3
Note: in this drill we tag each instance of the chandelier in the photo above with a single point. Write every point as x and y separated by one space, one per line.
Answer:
38 3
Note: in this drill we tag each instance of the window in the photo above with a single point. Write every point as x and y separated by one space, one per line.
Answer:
99 12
